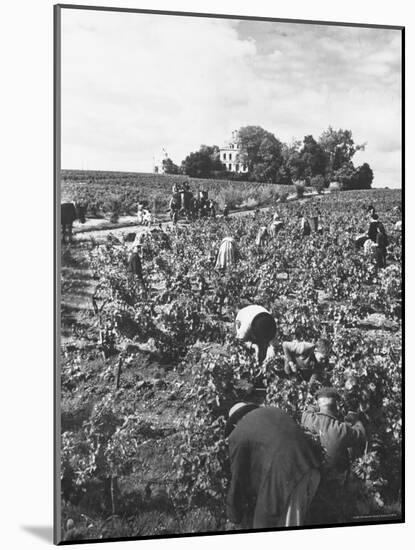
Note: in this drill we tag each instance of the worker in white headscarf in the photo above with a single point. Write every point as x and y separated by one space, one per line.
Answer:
256 325
227 255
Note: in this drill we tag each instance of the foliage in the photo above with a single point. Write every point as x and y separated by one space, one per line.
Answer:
340 148
319 183
203 163
311 160
299 188
321 282
169 167
261 152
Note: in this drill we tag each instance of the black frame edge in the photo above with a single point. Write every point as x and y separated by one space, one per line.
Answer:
56 270
230 16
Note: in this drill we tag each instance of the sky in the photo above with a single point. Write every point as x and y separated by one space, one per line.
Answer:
134 83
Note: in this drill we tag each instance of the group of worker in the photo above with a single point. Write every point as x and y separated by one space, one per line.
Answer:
284 474
278 477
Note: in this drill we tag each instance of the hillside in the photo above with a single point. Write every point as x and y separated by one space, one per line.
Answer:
106 192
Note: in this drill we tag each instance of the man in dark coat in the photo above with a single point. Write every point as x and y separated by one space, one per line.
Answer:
338 439
373 227
382 243
275 471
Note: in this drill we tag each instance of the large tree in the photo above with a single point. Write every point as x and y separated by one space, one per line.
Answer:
346 175
364 176
169 167
204 163
339 147
354 178
292 167
313 159
261 151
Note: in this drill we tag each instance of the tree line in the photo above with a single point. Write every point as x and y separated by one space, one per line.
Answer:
309 162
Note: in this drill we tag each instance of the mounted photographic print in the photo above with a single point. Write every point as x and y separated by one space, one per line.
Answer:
228 229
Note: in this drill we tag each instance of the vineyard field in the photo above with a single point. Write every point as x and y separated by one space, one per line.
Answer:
147 377
108 192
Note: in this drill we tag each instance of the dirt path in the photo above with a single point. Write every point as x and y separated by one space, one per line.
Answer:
126 226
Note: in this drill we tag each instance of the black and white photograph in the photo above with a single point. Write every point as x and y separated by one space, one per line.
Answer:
229 228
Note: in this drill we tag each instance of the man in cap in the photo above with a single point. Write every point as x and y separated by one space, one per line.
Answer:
338 439
274 468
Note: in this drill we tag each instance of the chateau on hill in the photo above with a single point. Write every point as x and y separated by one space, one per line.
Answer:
158 167
229 155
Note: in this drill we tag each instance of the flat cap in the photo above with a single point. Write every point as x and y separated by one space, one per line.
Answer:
328 392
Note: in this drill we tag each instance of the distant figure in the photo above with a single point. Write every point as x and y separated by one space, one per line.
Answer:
71 211
382 244
174 207
201 286
275 225
338 440
398 225
227 255
305 226
262 236
107 340
144 216
373 227
274 470
134 267
256 325
314 222
226 211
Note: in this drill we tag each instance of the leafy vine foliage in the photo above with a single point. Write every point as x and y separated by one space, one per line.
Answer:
322 283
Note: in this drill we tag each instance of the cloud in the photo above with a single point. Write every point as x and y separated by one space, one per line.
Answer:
133 83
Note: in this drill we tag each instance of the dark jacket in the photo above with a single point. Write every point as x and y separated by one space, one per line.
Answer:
382 240
336 438
373 230
134 264
269 455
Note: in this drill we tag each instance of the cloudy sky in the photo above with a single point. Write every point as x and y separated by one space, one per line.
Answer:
134 83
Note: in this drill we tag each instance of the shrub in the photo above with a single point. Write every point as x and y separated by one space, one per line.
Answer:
299 188
318 183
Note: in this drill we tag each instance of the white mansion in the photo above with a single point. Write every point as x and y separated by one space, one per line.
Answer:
229 155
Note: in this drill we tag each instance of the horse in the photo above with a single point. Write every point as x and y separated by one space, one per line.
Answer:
71 211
